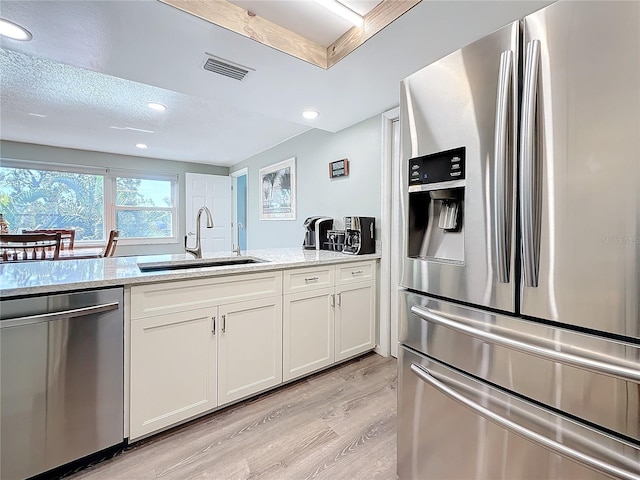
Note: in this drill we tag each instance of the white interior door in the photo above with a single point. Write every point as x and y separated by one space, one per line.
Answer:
213 191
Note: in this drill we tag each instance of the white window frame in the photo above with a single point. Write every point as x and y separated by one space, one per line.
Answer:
112 176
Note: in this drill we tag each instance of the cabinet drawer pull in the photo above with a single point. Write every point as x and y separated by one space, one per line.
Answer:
213 325
333 300
224 323
311 279
339 299
357 272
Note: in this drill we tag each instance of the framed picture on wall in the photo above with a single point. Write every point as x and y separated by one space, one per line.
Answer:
278 191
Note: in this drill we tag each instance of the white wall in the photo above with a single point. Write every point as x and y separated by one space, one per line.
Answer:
45 153
317 194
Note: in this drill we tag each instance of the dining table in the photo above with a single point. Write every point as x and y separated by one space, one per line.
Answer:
79 253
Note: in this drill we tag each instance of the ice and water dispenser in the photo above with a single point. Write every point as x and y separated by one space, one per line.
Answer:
436 206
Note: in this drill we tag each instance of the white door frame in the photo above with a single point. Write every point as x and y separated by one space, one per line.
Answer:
388 284
234 207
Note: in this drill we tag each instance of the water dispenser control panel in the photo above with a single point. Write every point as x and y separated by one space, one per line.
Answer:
437 167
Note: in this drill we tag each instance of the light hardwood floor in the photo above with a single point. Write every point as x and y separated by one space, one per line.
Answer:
338 424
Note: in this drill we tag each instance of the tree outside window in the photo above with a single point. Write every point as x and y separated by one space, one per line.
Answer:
32 198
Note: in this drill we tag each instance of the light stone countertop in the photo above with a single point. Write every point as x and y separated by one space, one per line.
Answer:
33 278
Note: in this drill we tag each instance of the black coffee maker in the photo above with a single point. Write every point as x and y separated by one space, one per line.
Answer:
359 236
315 232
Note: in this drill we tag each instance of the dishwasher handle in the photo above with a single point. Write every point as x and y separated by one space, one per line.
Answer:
49 317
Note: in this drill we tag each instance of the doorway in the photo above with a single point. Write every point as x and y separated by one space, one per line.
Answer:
239 187
391 239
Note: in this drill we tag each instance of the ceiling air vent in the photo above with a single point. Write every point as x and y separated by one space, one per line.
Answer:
224 67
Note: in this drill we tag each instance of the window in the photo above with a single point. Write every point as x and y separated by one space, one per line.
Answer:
36 198
144 208
91 200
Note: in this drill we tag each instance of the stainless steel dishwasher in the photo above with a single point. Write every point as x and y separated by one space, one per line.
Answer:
61 389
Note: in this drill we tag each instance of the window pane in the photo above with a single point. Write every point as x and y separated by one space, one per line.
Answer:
137 192
32 199
144 224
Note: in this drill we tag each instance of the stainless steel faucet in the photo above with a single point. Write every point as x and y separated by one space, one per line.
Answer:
237 251
197 250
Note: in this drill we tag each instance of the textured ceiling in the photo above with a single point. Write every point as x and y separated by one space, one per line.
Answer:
95 64
91 103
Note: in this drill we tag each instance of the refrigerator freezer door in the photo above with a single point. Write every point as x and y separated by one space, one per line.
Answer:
463 249
587 376
451 426
580 169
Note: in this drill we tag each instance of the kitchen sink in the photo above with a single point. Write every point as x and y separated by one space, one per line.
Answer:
196 263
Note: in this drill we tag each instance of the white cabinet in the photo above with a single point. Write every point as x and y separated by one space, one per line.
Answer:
249 348
355 319
173 369
308 332
323 325
188 358
199 344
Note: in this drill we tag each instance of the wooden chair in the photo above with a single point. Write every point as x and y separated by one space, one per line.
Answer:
30 246
112 242
68 235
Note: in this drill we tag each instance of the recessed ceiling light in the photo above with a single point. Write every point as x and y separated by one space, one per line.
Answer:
156 106
14 31
141 145
310 114
39 115
343 11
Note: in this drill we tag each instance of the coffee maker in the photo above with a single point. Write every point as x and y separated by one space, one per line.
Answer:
359 235
315 232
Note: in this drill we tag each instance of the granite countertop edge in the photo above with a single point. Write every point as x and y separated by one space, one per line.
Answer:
34 278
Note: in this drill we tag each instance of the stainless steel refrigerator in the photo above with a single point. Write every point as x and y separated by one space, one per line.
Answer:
520 317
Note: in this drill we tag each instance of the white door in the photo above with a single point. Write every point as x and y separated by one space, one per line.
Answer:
213 191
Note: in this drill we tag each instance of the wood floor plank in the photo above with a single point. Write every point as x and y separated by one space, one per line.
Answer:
336 424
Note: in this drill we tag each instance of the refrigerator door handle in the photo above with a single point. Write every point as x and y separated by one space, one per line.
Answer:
502 145
535 437
529 181
612 367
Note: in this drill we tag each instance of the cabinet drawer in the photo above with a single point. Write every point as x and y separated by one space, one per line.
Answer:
355 272
179 296
306 279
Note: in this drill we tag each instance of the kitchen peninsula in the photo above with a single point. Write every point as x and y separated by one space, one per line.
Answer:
33 278
198 339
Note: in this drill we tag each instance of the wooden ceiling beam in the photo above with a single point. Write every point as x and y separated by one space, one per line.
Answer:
379 17
227 15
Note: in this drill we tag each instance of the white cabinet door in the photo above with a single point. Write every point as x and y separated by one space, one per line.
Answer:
354 319
250 348
173 369
308 337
